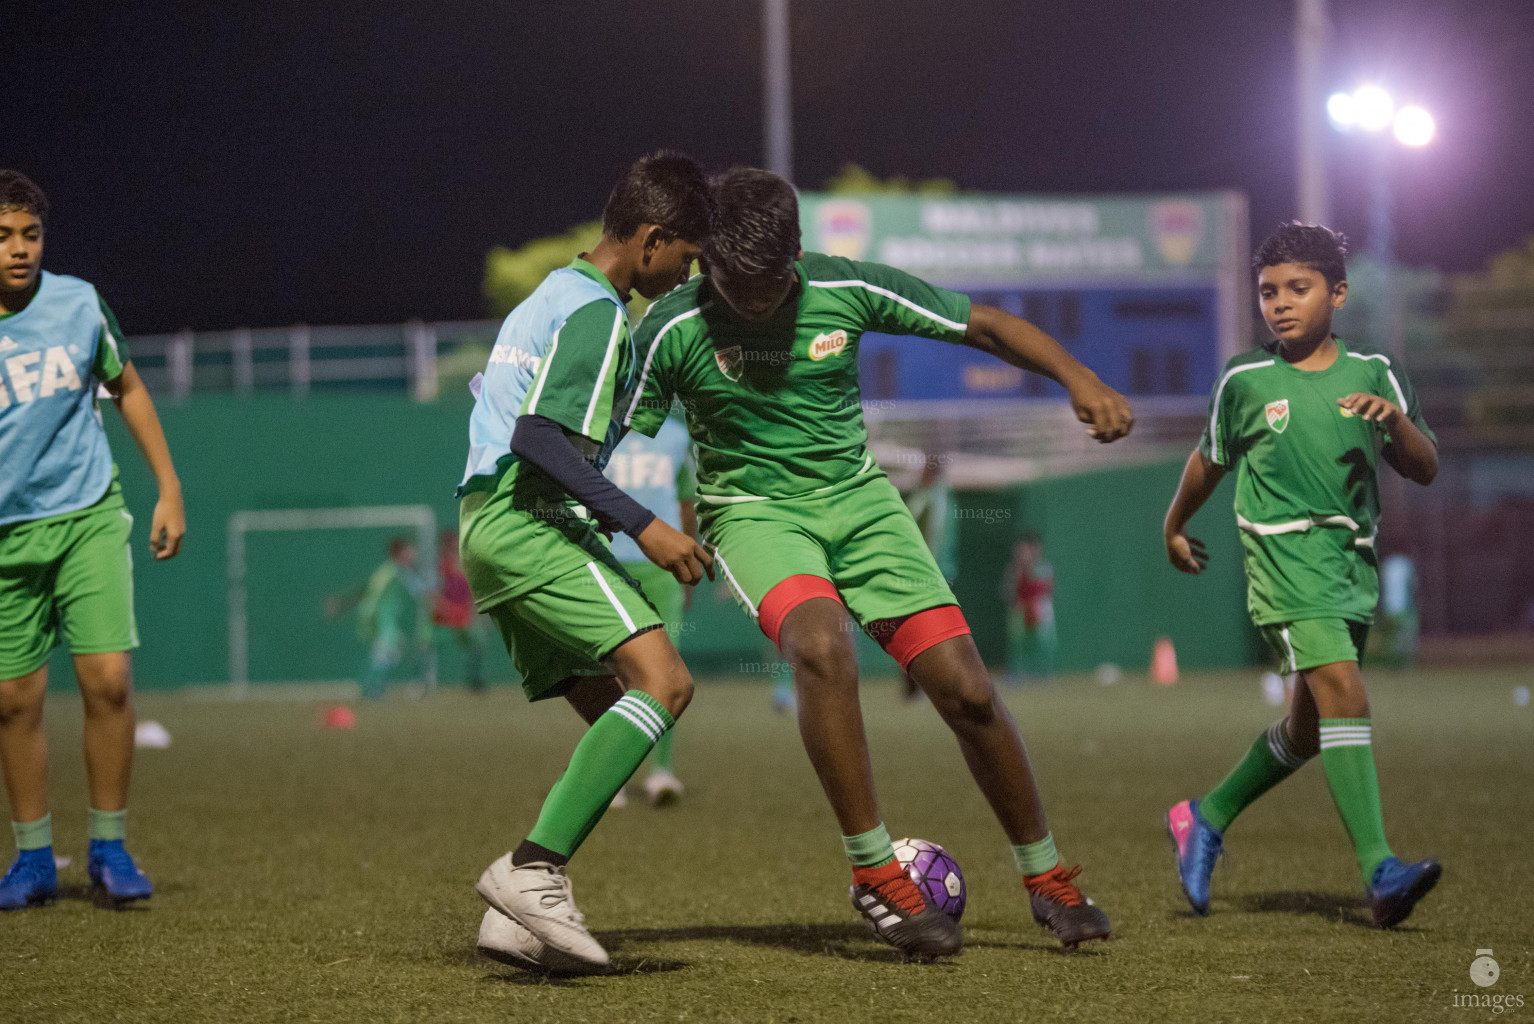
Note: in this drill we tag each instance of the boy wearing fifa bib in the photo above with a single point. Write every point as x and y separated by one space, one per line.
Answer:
66 567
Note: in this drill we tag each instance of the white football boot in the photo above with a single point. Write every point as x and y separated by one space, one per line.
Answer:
663 787
502 939
538 896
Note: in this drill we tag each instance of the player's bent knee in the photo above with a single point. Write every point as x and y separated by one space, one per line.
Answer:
109 695
821 653
972 703
18 707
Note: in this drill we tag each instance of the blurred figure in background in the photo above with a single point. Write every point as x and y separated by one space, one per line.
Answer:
452 611
930 502
390 616
1396 625
1029 592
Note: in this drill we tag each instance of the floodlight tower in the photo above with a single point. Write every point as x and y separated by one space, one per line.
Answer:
1311 29
1370 109
777 105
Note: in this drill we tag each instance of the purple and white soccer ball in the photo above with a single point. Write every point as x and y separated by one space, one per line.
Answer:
935 873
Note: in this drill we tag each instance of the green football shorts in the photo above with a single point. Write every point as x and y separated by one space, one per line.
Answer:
1311 643
857 534
666 595
560 599
66 578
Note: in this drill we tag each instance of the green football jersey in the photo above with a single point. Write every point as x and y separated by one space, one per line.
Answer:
1307 494
774 407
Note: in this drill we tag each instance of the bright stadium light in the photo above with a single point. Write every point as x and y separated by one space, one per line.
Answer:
1372 107
1414 126
1339 107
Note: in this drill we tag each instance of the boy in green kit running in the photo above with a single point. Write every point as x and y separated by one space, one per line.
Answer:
806 529
1305 421
66 567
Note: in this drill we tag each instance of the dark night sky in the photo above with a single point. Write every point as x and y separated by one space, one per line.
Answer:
220 164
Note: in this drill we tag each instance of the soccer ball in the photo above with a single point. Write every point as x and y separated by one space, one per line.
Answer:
935 873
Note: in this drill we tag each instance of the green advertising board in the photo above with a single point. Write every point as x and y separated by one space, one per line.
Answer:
1005 238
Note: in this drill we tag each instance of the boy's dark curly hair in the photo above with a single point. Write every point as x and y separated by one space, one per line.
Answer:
665 188
1311 245
19 192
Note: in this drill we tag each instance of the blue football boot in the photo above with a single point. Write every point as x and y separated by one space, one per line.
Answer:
1197 846
31 882
1396 888
112 870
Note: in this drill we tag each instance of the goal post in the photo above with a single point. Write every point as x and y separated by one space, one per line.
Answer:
247 521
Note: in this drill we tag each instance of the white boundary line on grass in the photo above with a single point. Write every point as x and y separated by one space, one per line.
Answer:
422 517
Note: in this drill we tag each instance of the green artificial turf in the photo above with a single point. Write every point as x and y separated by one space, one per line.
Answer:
321 875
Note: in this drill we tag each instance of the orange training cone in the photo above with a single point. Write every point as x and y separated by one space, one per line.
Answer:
338 718
1164 662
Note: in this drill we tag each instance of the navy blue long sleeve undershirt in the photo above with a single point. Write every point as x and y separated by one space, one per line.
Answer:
542 442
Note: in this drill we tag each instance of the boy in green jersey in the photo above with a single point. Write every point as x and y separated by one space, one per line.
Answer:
1305 421
66 568
805 528
543 427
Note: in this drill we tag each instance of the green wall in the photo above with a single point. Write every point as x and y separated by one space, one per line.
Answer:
1114 592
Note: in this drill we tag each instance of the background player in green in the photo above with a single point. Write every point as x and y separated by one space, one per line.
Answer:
66 568
543 426
391 619
805 527
1305 420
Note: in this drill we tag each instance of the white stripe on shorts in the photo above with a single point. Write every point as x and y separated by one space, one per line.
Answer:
602 582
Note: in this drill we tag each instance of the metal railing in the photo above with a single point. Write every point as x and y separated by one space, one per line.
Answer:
301 359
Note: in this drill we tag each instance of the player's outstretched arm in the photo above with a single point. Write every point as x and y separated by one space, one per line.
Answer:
1411 452
132 400
1199 479
1016 341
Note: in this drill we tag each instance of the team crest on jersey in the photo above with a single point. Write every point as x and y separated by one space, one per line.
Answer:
1347 413
730 361
826 345
1278 415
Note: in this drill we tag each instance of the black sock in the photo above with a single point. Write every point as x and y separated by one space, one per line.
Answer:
530 851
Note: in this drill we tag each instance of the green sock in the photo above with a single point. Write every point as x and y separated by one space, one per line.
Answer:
664 754
1036 858
34 835
108 824
871 849
1271 760
1348 755
603 761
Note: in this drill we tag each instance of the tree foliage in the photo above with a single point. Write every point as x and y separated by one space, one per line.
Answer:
853 180
512 274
